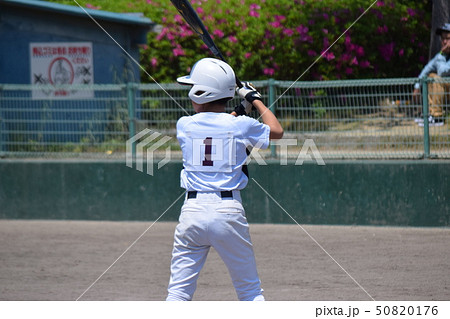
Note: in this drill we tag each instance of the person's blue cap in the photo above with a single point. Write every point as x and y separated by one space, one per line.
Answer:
444 28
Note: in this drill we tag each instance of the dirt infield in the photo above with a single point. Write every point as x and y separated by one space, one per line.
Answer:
60 260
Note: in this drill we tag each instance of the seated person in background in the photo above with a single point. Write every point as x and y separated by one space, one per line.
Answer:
438 90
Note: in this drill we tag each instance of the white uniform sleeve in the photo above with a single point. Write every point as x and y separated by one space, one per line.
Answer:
256 133
182 122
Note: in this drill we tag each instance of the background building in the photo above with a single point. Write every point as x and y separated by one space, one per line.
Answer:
49 43
52 46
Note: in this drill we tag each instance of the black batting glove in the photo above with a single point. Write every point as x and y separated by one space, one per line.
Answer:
249 93
244 108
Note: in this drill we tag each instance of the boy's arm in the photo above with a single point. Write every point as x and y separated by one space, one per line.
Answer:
252 99
268 118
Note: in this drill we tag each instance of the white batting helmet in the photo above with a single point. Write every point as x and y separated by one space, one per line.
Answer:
211 80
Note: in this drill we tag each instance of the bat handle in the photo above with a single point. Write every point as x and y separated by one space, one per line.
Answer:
239 83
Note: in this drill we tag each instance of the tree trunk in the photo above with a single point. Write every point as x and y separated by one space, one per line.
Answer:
440 15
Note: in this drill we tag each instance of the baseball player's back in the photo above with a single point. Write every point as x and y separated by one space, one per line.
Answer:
214 152
214 149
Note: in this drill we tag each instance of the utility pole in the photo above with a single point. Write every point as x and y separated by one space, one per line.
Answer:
440 15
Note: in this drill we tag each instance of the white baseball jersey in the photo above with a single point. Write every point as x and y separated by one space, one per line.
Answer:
214 149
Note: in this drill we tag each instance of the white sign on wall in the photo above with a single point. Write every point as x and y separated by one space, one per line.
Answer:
58 64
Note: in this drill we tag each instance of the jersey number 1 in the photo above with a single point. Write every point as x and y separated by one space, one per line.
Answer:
208 151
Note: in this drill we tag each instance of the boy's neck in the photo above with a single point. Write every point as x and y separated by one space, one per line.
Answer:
210 107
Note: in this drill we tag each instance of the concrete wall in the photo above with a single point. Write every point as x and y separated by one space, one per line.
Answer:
414 193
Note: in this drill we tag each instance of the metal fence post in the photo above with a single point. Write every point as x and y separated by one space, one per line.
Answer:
131 99
1 138
272 107
426 131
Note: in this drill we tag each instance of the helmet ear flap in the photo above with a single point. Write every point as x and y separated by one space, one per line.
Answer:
202 94
199 93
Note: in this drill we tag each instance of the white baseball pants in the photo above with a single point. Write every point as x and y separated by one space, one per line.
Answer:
205 221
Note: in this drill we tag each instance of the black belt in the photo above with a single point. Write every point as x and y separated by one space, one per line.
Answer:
223 194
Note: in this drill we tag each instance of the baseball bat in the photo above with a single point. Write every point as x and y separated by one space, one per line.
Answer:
191 17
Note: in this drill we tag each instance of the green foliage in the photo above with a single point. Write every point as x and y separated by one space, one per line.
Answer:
284 39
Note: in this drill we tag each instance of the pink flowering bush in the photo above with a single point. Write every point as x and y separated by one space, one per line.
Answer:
283 38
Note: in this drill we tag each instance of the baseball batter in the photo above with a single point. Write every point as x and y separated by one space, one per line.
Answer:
214 153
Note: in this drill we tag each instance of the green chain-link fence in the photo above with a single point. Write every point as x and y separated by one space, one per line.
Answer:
344 119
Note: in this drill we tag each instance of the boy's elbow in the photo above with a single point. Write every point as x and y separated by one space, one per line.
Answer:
276 134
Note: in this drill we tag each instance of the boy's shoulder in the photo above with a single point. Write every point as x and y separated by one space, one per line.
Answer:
183 119
208 116
219 118
244 119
